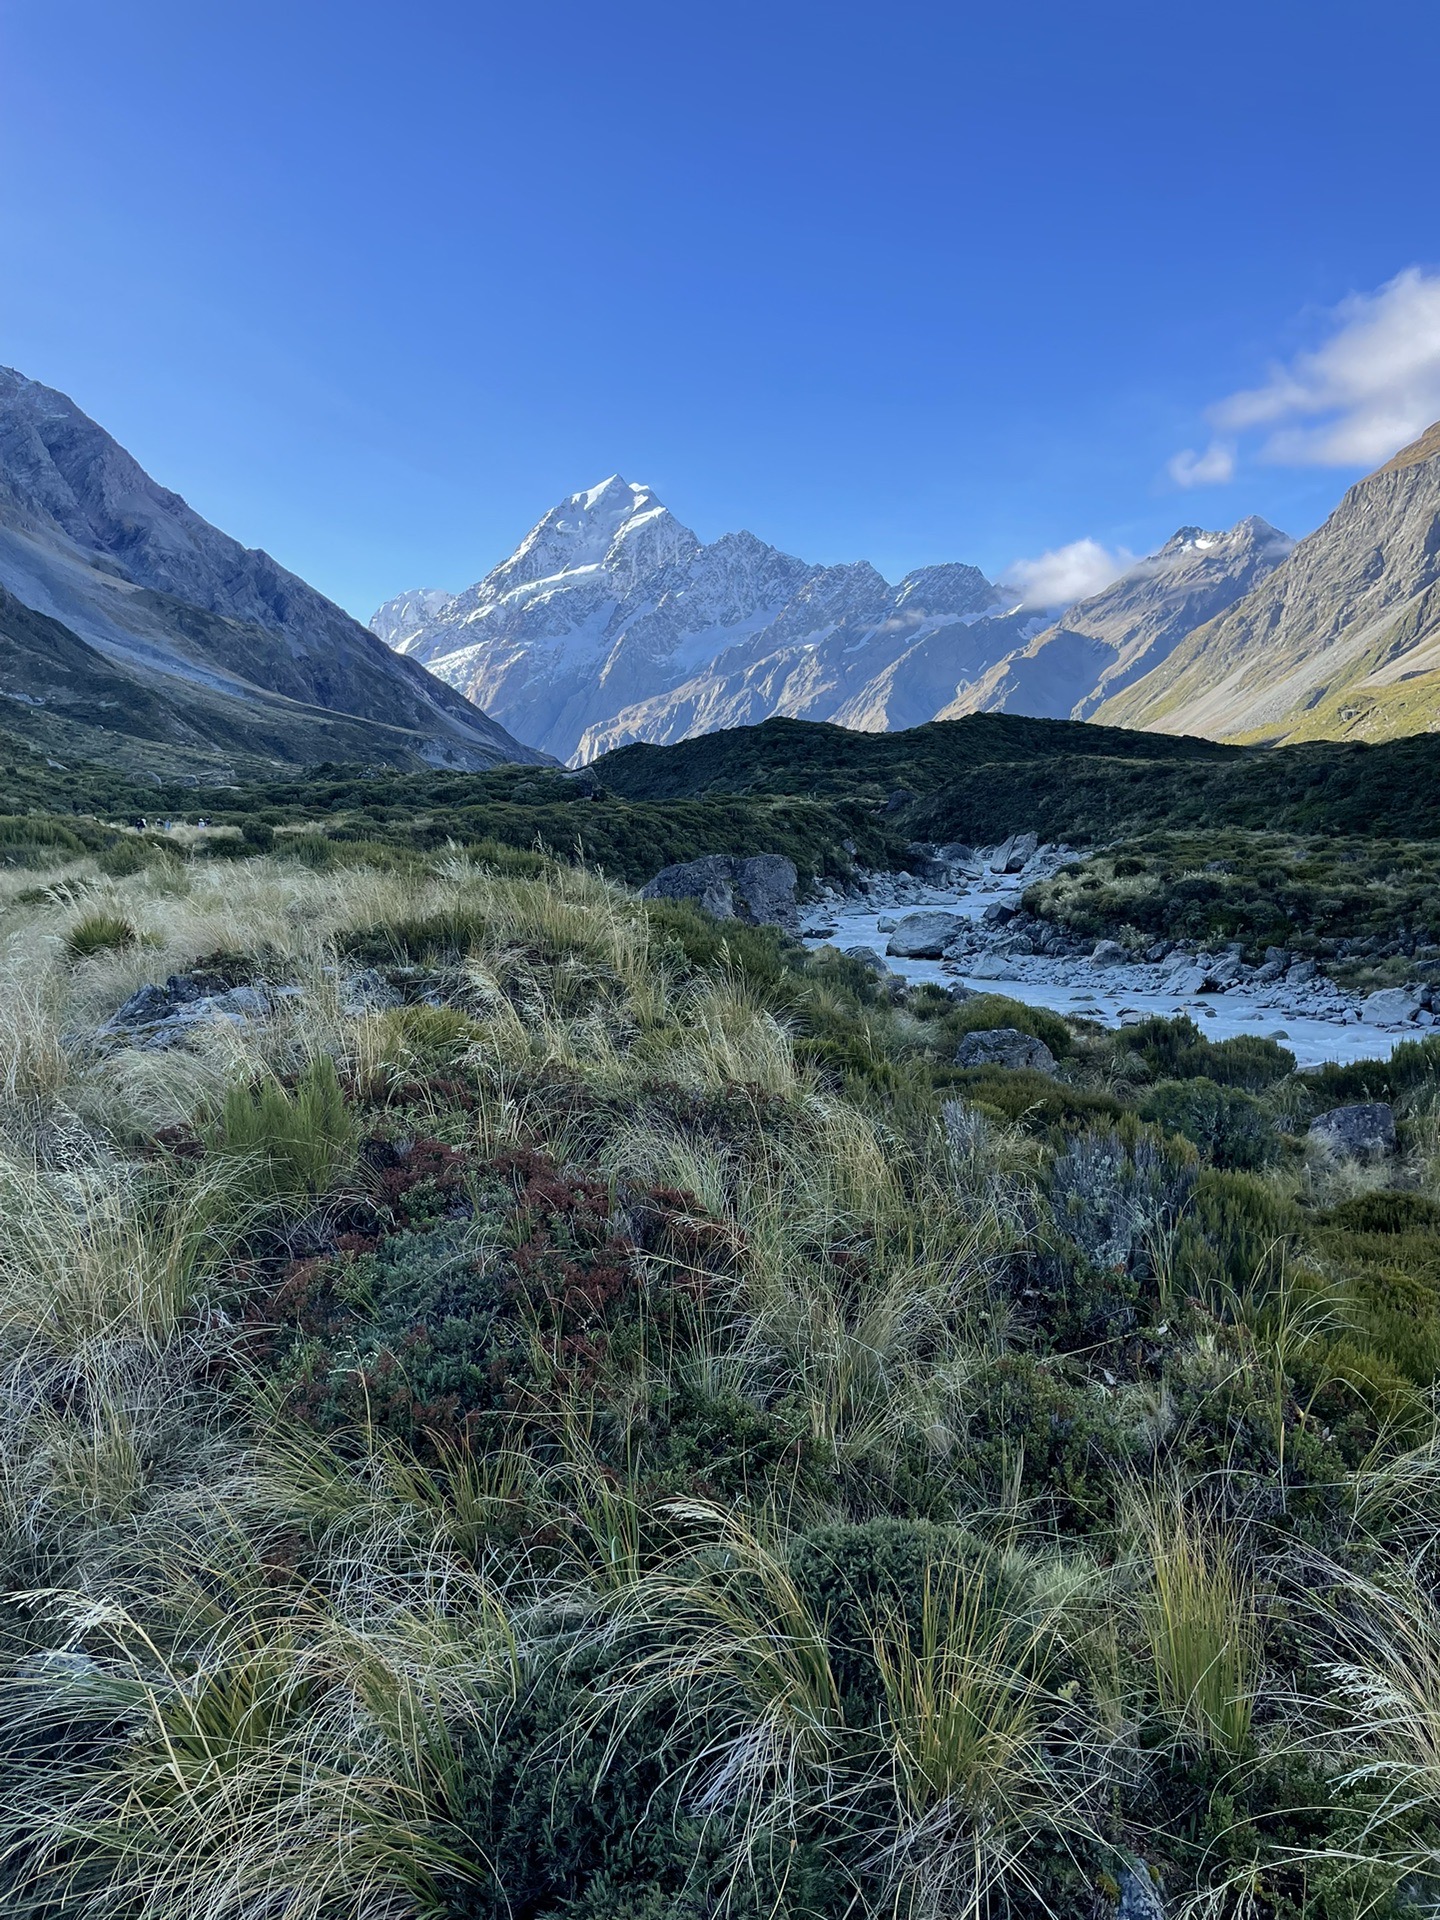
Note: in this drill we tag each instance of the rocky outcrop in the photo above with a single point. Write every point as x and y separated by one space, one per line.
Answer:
154 1018
759 890
1004 1047
1364 1132
1139 1897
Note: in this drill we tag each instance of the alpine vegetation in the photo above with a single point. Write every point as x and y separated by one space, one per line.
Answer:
522 1400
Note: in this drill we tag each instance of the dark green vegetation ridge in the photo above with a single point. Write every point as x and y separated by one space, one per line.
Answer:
359 813
988 775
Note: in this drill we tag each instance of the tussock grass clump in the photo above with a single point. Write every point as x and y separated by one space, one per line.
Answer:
1200 1625
99 932
290 1145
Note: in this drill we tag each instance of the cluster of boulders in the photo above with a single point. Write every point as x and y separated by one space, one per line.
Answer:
1006 941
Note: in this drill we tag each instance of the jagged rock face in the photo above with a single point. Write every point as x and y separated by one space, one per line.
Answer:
138 578
611 622
1101 645
1341 641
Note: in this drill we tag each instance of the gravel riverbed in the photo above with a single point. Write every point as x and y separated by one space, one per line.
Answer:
1312 1016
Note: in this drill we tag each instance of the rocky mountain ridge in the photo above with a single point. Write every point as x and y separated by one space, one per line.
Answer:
1101 644
202 645
1342 641
613 623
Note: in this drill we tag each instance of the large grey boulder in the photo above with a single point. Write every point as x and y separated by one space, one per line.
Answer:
924 936
1390 1007
1363 1132
759 890
1108 953
868 957
1004 1047
1011 855
154 1018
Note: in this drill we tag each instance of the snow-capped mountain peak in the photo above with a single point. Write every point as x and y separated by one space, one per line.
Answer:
616 525
401 621
611 619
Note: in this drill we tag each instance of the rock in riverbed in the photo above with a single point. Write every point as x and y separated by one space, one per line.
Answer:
924 936
1391 1006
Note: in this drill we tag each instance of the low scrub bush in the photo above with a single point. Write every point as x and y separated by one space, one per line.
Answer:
1177 1050
996 1010
126 855
1229 1126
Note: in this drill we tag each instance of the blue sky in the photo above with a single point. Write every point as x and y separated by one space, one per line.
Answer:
375 284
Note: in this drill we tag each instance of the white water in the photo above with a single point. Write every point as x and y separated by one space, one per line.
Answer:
1108 994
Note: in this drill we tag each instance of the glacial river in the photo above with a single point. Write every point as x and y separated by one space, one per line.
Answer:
1109 994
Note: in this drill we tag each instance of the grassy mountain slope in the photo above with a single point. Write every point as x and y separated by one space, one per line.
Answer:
1341 641
70 701
88 539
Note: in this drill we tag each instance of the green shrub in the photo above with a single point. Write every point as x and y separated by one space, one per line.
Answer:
430 1037
258 834
1035 1100
99 933
1177 1050
129 854
294 1143
702 944
1229 1126
29 840
997 1010
1384 1212
436 939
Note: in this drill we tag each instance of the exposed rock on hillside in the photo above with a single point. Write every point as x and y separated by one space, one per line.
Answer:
1101 645
1342 640
129 616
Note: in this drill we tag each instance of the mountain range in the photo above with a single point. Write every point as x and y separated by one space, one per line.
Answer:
612 623
134 631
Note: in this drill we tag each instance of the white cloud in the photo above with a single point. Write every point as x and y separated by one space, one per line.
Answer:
1212 468
1066 574
1369 389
